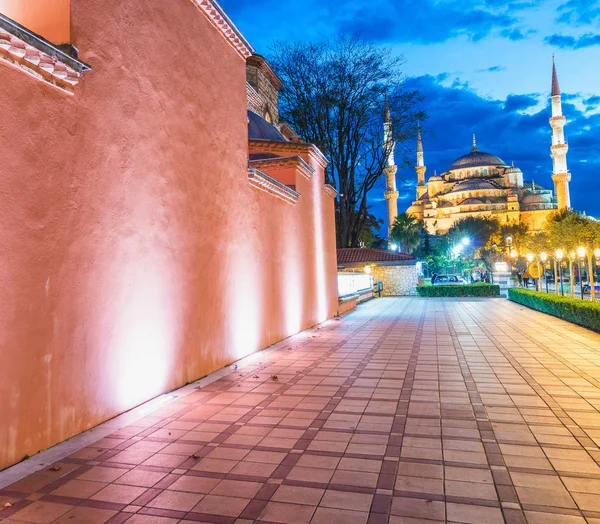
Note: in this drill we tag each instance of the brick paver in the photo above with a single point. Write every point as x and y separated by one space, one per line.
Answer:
406 411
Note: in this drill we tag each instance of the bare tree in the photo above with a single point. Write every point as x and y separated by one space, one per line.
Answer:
333 96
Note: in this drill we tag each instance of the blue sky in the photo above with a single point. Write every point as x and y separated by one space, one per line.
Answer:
483 66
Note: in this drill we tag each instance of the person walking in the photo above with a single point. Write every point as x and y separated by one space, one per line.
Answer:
526 278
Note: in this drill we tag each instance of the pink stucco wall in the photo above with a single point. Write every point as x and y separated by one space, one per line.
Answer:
135 255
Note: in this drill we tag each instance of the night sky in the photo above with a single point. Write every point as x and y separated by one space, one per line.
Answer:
483 66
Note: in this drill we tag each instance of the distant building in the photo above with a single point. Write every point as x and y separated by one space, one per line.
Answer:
482 184
397 272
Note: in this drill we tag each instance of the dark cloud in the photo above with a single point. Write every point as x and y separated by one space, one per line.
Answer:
573 42
390 21
520 102
455 113
579 12
517 34
592 101
495 69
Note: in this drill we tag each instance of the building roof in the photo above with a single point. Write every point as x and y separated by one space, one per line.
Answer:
260 129
364 255
476 158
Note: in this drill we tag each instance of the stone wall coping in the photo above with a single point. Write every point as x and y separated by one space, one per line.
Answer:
283 161
219 19
39 57
294 146
264 182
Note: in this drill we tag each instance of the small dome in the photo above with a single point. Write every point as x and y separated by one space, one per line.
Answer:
536 198
473 184
260 129
470 201
435 178
476 158
445 203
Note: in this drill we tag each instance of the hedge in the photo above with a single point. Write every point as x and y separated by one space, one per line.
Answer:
467 290
582 312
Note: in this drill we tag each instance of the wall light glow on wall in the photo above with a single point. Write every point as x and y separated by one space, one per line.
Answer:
144 340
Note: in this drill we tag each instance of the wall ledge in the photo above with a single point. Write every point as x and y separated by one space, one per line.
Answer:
330 190
284 161
217 17
264 182
298 147
38 57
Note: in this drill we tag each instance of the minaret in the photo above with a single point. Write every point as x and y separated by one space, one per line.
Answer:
559 148
421 187
391 193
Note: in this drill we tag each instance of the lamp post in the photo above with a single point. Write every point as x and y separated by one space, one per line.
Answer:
572 273
581 255
559 255
597 257
544 257
529 258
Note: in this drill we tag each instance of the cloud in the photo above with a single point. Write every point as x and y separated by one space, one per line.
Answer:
573 42
493 69
389 21
592 102
455 113
579 12
516 103
517 34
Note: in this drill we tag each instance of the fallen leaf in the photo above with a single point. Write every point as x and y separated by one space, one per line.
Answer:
274 377
8 505
194 456
54 468
255 376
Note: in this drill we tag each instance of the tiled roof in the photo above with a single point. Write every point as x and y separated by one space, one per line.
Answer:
355 255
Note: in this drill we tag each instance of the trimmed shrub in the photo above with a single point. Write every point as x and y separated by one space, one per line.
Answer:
467 290
582 312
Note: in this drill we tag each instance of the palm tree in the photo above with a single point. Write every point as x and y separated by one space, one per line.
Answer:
406 232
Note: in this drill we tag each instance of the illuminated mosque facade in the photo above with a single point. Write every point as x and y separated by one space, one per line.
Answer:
481 184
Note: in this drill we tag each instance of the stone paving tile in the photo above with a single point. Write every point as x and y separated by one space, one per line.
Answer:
406 411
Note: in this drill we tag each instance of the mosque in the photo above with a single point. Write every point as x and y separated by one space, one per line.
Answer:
482 184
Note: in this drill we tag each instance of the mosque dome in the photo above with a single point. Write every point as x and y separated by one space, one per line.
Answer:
536 198
260 129
473 184
470 201
476 159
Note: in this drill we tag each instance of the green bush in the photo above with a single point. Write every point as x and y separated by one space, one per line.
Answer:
467 290
586 314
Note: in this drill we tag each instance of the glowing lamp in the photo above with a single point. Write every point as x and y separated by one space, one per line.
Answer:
581 252
509 240
394 247
529 257
514 253
559 254
368 270
466 241
597 253
543 256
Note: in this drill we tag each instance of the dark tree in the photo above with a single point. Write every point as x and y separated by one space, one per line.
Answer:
333 96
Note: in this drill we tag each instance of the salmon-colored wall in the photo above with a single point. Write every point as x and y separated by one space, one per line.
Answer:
47 18
135 256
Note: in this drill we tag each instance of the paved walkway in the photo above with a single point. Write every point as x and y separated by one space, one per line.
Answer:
406 411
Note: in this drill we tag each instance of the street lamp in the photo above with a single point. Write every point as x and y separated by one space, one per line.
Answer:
572 272
559 256
394 247
581 254
543 258
466 241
